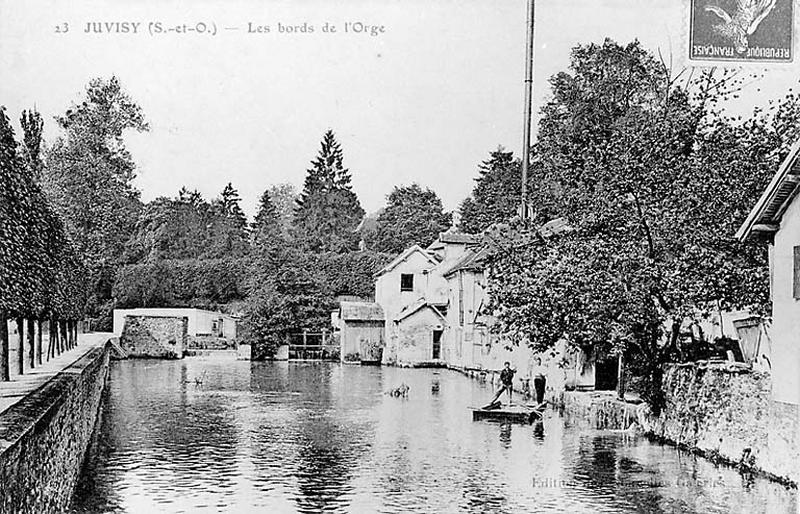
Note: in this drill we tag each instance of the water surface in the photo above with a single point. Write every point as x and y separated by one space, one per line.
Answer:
322 437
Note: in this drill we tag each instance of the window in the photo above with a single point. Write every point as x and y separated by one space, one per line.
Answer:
406 282
796 281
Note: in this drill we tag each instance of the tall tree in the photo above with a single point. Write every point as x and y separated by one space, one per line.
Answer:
496 195
328 210
88 179
413 215
284 197
229 235
635 155
266 230
40 274
33 144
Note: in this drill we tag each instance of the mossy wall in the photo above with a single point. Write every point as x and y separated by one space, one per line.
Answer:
727 411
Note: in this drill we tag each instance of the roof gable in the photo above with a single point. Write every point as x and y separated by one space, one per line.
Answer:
416 306
783 188
408 252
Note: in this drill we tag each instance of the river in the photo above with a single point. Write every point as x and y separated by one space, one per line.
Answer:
211 434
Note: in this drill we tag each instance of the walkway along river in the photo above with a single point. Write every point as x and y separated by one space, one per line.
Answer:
213 434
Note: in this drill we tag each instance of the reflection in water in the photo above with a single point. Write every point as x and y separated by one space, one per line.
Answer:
538 430
292 437
505 435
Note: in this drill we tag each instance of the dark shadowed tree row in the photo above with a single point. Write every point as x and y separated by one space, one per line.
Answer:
42 277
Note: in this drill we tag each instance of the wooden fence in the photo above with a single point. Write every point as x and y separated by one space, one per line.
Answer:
314 346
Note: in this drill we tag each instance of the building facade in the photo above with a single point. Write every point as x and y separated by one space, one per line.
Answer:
413 294
360 327
775 220
202 323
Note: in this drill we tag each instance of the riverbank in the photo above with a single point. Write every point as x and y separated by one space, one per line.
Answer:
722 413
46 422
320 436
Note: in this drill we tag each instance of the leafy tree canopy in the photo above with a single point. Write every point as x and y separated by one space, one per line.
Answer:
190 227
88 172
413 215
41 275
654 181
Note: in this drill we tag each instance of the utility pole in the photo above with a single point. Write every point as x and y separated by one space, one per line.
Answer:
526 127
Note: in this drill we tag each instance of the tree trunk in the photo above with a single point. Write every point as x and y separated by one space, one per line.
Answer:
4 364
20 346
31 343
64 340
56 330
621 378
39 342
52 339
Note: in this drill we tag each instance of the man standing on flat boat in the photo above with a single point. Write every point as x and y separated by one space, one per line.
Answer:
506 382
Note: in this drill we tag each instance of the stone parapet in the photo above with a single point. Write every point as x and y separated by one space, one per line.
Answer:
44 437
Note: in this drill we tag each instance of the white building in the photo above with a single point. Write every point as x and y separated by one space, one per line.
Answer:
201 322
776 220
414 295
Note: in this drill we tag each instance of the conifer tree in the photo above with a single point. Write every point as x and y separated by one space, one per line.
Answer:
228 226
266 229
496 195
328 210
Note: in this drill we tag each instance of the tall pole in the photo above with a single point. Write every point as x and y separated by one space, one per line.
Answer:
526 127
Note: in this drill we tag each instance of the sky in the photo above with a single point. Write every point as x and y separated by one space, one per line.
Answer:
424 100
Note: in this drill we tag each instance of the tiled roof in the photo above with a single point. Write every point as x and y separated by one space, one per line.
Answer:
765 218
472 260
554 227
360 311
459 238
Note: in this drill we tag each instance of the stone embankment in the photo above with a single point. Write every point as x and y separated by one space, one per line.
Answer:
44 435
726 413
722 411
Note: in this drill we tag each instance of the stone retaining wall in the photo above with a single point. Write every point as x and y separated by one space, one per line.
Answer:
727 413
602 410
205 342
44 437
163 337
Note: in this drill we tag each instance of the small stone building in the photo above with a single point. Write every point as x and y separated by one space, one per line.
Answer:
361 331
162 337
201 323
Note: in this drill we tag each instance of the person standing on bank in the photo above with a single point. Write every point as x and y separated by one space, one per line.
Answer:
539 380
506 382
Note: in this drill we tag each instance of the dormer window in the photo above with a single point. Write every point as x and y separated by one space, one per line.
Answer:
407 282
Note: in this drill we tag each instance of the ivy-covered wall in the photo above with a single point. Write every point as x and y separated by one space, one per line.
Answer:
727 411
